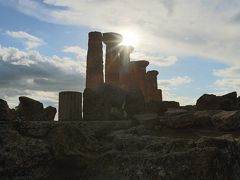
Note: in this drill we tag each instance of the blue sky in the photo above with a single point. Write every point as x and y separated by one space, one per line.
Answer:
193 44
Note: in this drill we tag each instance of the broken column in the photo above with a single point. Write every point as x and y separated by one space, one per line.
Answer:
124 71
138 75
70 106
94 69
112 41
152 87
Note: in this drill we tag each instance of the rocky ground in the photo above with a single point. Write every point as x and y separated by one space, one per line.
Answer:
182 143
177 145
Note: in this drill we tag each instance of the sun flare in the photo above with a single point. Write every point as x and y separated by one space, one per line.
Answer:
129 38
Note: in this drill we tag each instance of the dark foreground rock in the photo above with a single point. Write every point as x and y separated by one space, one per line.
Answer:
30 110
226 102
4 111
147 149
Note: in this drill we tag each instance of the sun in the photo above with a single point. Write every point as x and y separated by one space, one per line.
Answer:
129 38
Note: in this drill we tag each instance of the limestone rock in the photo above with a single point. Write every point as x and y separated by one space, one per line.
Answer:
227 120
149 120
226 102
134 102
4 111
160 107
106 103
198 120
23 157
93 105
50 113
31 110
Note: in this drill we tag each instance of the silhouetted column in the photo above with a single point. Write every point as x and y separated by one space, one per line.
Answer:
70 106
94 74
151 80
138 76
159 95
124 71
112 63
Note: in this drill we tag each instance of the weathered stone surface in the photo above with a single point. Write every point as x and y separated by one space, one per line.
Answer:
50 113
93 105
114 99
149 120
156 107
151 86
112 63
198 120
23 157
227 120
171 104
94 69
160 107
70 106
134 102
238 101
4 111
105 104
116 150
138 76
125 70
226 102
30 110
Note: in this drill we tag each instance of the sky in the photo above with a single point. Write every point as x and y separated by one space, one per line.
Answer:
195 45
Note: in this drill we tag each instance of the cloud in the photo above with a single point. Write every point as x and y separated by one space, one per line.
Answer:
173 82
31 42
33 74
80 52
183 100
155 60
164 27
230 79
168 86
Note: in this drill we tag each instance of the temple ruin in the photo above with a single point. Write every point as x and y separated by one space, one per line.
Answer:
121 75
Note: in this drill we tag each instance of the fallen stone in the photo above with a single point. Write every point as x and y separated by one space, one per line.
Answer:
30 110
50 113
149 120
161 107
4 111
198 120
134 102
227 120
226 102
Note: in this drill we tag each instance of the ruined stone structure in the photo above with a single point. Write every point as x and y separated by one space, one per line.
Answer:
138 76
125 70
153 93
70 106
112 63
94 74
120 73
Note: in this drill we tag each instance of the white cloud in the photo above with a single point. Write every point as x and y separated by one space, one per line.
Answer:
166 27
167 85
32 74
155 60
31 41
173 82
80 52
230 79
183 100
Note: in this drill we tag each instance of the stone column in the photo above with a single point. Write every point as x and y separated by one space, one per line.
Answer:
152 87
138 76
94 69
124 71
70 106
159 95
112 41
